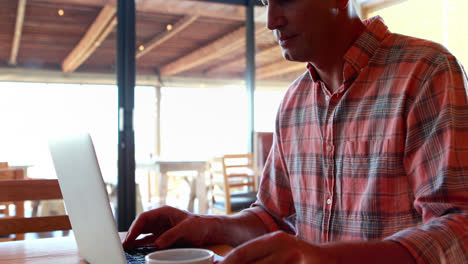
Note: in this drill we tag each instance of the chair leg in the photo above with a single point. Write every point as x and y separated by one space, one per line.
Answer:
193 193
19 212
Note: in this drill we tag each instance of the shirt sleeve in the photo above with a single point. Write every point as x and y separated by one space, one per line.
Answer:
436 161
274 205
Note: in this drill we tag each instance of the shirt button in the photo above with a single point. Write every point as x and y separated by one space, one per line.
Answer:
327 97
329 201
329 148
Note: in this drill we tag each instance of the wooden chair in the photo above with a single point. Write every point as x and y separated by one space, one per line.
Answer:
3 206
19 191
11 174
233 183
262 145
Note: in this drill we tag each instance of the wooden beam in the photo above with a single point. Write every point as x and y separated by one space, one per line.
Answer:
240 62
165 36
177 7
18 31
278 68
9 74
211 51
97 32
199 8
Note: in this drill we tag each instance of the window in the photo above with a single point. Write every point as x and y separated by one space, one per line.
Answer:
266 106
199 123
34 112
442 21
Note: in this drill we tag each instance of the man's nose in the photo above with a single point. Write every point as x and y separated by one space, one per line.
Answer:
275 17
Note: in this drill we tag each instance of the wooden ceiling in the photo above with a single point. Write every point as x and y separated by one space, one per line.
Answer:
207 40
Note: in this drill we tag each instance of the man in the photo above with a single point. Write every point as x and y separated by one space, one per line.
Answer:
369 162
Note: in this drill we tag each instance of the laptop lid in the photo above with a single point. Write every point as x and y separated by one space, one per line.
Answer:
86 199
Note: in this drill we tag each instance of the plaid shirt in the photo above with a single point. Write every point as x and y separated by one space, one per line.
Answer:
383 157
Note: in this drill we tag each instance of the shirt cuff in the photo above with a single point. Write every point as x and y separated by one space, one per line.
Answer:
438 241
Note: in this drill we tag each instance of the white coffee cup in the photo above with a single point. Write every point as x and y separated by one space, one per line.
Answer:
180 256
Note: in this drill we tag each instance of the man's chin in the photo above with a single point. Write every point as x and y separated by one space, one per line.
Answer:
293 57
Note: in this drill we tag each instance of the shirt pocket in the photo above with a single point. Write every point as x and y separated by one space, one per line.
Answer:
373 185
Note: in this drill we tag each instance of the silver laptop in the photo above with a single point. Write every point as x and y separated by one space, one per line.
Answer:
86 201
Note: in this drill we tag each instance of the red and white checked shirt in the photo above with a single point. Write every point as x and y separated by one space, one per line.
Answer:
383 157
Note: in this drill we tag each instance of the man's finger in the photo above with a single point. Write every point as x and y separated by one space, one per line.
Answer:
135 230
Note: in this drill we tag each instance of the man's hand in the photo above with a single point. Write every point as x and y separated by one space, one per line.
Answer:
167 226
278 247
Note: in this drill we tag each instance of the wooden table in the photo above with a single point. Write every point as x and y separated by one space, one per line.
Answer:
197 186
62 250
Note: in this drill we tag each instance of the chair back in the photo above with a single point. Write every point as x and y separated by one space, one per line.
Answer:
20 190
233 182
262 146
3 165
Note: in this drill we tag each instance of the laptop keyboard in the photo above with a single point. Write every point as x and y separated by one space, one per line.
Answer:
137 255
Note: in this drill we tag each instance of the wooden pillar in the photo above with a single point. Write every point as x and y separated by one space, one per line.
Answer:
126 195
158 121
250 70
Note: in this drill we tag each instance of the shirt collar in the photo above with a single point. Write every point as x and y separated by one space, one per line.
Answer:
358 55
312 72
